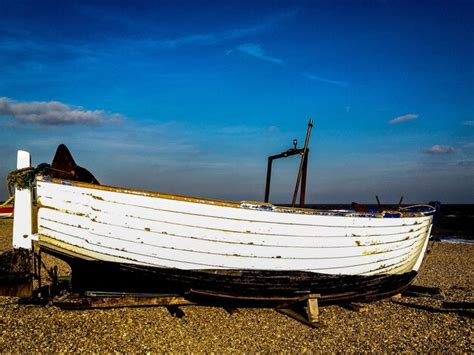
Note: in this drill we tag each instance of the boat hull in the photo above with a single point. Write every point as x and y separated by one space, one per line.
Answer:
131 227
122 240
246 286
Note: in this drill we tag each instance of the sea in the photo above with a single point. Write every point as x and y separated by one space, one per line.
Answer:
453 224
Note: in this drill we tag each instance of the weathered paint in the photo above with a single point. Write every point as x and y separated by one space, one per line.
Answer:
159 230
228 284
244 204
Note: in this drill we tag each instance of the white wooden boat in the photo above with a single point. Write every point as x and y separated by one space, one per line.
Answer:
128 240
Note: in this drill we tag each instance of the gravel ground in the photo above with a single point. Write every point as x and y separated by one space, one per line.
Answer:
388 326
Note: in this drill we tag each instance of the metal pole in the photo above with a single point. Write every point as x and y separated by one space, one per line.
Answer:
400 202
269 177
303 179
300 170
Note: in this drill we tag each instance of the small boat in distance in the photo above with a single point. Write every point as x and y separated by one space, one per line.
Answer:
6 208
6 211
126 240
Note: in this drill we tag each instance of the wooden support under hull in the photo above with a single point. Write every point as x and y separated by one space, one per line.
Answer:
16 273
120 301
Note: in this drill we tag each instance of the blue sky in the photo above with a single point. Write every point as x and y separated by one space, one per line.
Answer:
191 97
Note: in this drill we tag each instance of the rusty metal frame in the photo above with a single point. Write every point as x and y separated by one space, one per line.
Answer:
290 152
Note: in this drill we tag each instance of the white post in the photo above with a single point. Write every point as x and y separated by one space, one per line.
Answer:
22 215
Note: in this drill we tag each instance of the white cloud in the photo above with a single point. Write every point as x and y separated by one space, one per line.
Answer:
440 149
323 80
212 38
404 118
272 129
54 113
255 50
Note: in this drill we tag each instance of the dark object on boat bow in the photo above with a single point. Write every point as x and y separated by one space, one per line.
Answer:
359 208
64 167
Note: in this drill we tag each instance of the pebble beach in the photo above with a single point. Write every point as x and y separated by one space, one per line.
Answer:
414 324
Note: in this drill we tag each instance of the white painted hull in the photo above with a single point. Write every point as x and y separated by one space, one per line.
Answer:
164 231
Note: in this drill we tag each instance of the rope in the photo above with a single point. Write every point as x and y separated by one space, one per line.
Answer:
10 199
23 178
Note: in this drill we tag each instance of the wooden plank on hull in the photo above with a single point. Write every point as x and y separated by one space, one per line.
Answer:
152 230
147 239
102 253
193 260
202 207
134 217
86 239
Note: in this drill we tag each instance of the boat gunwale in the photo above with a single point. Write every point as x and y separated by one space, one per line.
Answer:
231 204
